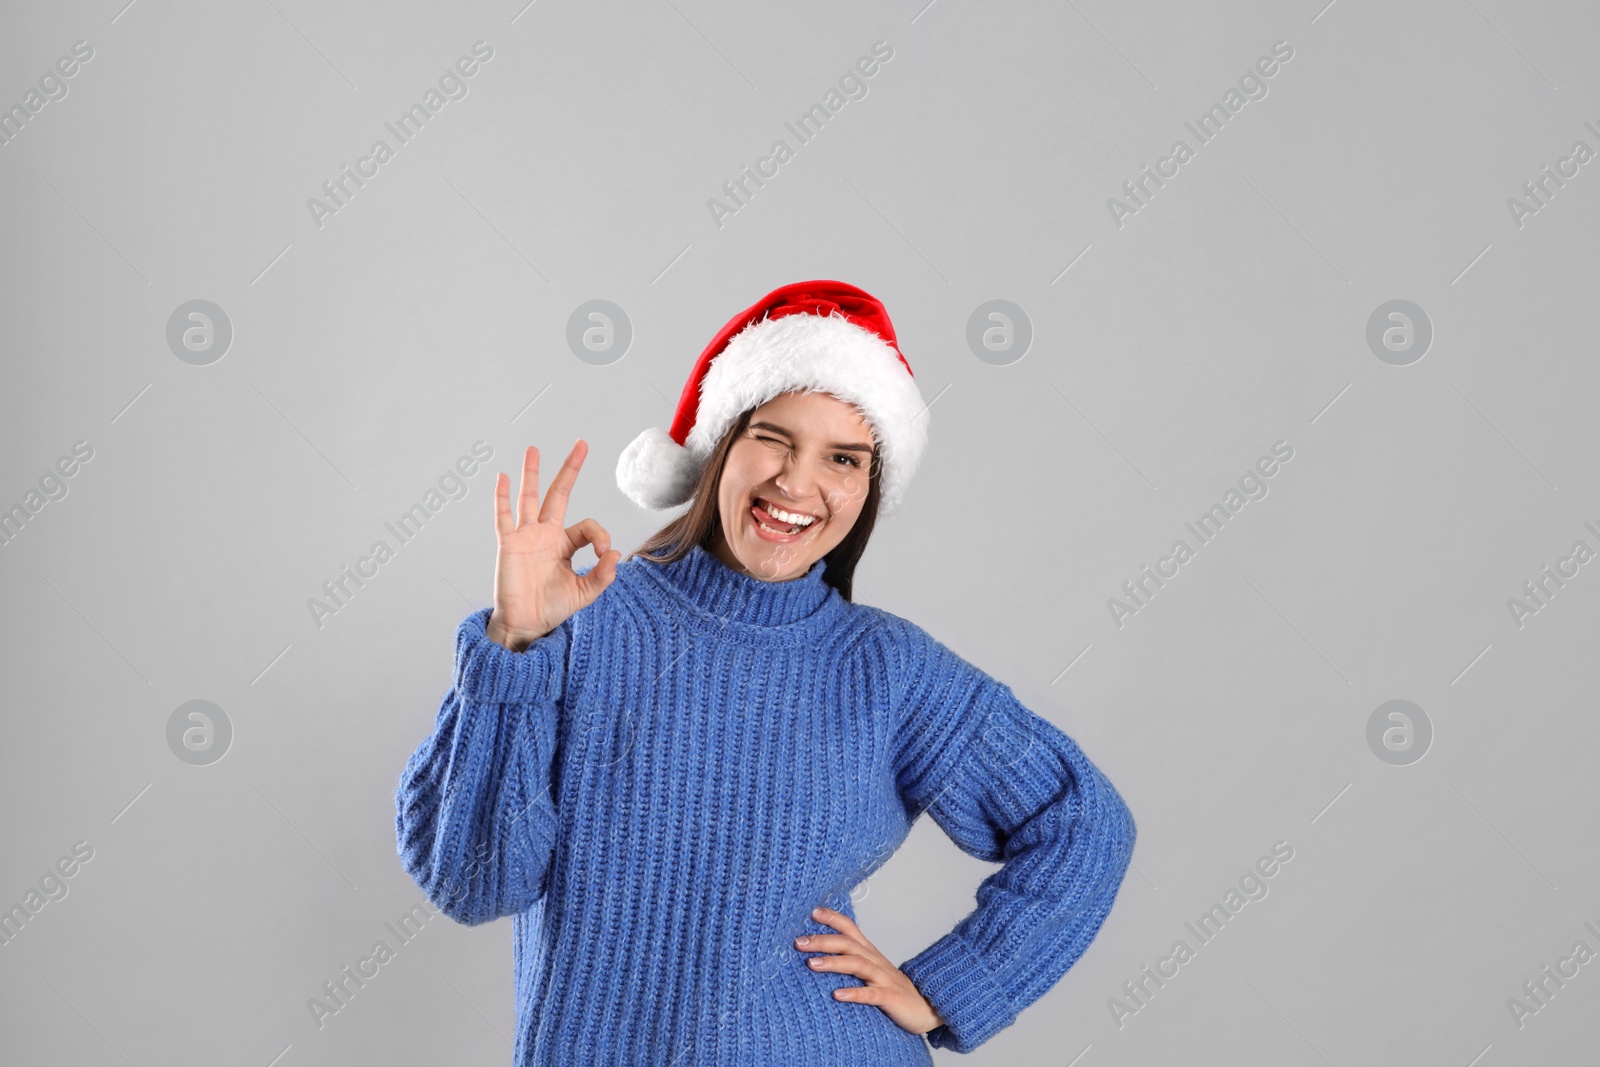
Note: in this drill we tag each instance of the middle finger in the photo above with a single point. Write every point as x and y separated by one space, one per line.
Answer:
554 508
827 943
860 966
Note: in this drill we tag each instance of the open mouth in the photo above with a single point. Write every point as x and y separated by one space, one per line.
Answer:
779 524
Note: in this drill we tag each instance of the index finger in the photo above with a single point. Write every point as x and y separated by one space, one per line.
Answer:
554 508
840 921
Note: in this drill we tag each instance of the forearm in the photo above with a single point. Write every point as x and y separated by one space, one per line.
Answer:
1026 795
474 819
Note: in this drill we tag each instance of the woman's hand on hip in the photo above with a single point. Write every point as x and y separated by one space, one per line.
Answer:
535 587
886 986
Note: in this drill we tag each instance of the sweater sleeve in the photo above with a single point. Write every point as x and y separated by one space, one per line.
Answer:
475 823
1007 786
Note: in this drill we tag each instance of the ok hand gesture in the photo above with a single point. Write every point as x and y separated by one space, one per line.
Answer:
535 587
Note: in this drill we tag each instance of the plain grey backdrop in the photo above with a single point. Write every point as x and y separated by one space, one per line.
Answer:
180 479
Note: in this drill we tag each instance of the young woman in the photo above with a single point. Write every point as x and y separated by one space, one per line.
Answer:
671 771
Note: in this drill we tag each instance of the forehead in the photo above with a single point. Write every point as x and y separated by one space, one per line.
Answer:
803 413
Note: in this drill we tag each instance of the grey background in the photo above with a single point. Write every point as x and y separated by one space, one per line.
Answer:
431 312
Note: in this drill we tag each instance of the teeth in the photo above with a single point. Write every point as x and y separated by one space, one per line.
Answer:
793 520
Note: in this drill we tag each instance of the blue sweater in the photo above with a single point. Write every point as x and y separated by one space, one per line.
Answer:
661 789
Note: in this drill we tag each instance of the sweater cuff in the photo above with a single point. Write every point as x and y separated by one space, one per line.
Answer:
963 990
488 672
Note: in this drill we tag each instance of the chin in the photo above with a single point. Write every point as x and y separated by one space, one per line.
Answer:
773 562
773 550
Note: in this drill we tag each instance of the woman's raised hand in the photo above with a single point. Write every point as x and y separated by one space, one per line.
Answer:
535 587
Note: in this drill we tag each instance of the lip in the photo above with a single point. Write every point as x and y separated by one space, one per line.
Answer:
758 515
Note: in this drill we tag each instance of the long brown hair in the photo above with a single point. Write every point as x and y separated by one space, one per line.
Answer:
699 524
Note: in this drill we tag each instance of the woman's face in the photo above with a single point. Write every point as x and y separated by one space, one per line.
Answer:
805 454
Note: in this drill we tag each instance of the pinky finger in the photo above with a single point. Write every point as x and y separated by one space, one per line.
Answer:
857 994
502 504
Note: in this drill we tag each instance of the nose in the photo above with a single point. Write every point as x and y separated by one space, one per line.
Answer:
792 480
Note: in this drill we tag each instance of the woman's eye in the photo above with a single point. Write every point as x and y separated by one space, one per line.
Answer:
850 459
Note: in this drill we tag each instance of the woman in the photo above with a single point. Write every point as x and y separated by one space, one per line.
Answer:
660 767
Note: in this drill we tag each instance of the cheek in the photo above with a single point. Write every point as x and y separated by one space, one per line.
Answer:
847 498
747 468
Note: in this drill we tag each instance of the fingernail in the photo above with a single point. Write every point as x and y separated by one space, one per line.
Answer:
802 941
816 913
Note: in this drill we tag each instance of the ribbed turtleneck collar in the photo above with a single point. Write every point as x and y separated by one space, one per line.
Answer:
704 580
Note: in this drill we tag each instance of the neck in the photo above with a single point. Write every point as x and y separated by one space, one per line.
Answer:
730 594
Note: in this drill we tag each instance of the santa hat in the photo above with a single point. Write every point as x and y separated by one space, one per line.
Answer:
821 336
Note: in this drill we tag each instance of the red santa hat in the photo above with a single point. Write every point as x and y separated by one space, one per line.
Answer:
817 336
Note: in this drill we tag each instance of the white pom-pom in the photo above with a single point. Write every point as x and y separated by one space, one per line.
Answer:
656 472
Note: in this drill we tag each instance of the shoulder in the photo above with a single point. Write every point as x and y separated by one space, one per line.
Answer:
900 631
885 628
922 661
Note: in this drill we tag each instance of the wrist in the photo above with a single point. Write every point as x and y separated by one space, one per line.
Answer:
513 642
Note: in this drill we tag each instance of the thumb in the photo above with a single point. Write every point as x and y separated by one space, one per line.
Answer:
600 576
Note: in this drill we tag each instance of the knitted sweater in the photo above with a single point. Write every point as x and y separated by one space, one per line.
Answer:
661 789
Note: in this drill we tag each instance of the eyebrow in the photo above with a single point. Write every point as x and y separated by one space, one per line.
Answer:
846 446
